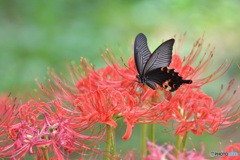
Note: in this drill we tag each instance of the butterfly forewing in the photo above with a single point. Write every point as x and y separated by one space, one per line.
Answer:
161 57
141 52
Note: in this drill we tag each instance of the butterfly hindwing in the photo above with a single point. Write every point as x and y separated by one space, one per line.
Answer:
141 52
166 78
161 57
151 84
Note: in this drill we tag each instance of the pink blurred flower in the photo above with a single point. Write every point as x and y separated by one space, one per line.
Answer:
167 151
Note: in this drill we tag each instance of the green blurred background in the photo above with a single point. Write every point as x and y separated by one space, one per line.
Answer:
35 35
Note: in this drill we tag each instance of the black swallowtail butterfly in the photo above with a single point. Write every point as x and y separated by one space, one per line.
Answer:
154 67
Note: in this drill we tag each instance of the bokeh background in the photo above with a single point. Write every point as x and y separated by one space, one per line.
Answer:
35 35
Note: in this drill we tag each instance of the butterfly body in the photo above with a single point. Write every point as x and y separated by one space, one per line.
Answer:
144 80
153 68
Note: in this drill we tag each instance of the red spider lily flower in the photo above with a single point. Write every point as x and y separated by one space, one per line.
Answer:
95 107
8 108
233 152
195 70
193 110
84 80
107 105
45 128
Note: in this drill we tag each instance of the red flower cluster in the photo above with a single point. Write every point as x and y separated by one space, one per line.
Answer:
72 121
43 127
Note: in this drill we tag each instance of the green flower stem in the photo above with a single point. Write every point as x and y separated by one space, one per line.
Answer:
181 143
113 143
35 156
46 157
144 135
178 143
184 141
44 149
108 143
152 133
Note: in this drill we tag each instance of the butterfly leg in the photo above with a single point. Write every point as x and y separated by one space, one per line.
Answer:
133 86
132 83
